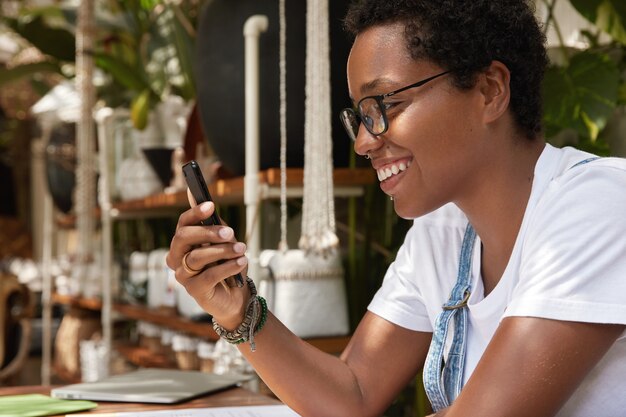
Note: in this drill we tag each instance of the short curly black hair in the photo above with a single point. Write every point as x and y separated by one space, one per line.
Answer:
465 36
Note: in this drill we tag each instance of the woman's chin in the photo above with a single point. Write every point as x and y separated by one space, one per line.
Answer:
409 208
402 210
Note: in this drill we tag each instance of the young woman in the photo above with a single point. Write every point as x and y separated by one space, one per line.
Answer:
509 289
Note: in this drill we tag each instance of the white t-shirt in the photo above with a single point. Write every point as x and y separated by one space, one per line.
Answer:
568 263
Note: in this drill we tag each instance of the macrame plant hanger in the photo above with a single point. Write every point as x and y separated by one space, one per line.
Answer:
318 233
308 288
283 246
318 208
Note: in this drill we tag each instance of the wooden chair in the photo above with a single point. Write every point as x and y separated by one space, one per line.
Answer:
16 311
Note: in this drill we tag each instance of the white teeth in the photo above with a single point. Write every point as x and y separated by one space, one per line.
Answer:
394 169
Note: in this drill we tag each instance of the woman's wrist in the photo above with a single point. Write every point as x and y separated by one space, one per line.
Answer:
233 321
253 320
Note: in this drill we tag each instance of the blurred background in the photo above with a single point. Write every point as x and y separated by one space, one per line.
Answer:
165 84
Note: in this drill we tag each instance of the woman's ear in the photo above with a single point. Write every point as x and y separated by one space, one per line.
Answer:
495 88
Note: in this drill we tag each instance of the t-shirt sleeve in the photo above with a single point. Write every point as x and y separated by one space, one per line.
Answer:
399 299
573 264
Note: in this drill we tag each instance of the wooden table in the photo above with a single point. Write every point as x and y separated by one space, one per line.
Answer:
232 397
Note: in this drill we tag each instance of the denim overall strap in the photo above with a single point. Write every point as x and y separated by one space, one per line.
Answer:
443 379
584 161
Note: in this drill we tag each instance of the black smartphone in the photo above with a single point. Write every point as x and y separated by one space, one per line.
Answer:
200 192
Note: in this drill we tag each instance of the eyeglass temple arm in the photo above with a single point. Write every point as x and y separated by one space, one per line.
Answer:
417 84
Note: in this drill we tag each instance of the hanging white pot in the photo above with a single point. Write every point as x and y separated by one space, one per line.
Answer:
306 292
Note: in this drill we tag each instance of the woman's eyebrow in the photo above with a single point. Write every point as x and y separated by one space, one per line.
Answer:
376 83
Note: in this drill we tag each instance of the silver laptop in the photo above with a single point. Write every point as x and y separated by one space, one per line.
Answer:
162 386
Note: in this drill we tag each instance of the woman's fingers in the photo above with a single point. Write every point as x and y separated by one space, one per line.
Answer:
197 258
190 234
196 214
187 238
202 285
192 201
205 258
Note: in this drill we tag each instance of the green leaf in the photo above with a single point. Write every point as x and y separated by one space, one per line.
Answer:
123 73
608 15
40 86
148 4
581 96
140 108
621 92
597 147
27 70
56 42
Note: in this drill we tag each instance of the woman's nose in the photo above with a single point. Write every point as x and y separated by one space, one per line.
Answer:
365 143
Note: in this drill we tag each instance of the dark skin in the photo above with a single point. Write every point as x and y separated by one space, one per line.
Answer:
462 146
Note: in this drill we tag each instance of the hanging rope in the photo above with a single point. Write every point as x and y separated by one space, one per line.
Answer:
85 140
318 216
283 246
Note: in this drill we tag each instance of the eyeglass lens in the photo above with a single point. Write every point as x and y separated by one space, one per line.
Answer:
350 122
370 114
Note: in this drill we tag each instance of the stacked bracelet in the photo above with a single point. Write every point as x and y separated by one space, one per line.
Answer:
254 319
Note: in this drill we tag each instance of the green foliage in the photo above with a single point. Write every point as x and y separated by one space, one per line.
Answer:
56 42
621 94
45 29
607 15
140 108
382 232
149 53
28 70
145 47
122 71
581 95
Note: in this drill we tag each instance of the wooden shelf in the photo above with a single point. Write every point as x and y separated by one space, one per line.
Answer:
347 181
165 319
143 357
334 345
231 190
94 304
139 312
154 202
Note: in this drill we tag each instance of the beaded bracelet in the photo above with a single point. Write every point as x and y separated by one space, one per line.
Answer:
254 319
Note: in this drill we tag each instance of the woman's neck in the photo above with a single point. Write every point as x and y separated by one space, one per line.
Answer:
498 201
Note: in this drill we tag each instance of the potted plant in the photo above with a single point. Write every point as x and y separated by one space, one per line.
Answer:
143 47
143 50
584 89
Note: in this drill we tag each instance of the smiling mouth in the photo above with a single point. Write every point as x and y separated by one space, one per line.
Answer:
391 170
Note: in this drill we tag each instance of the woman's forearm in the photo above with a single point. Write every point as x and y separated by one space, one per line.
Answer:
312 382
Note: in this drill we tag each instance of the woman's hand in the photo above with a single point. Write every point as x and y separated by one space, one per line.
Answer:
205 258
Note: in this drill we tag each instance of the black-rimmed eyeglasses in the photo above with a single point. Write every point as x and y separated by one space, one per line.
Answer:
370 111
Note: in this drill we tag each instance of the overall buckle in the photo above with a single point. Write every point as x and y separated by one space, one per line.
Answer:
462 304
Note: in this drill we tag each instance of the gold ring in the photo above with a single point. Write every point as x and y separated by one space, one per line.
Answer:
187 268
